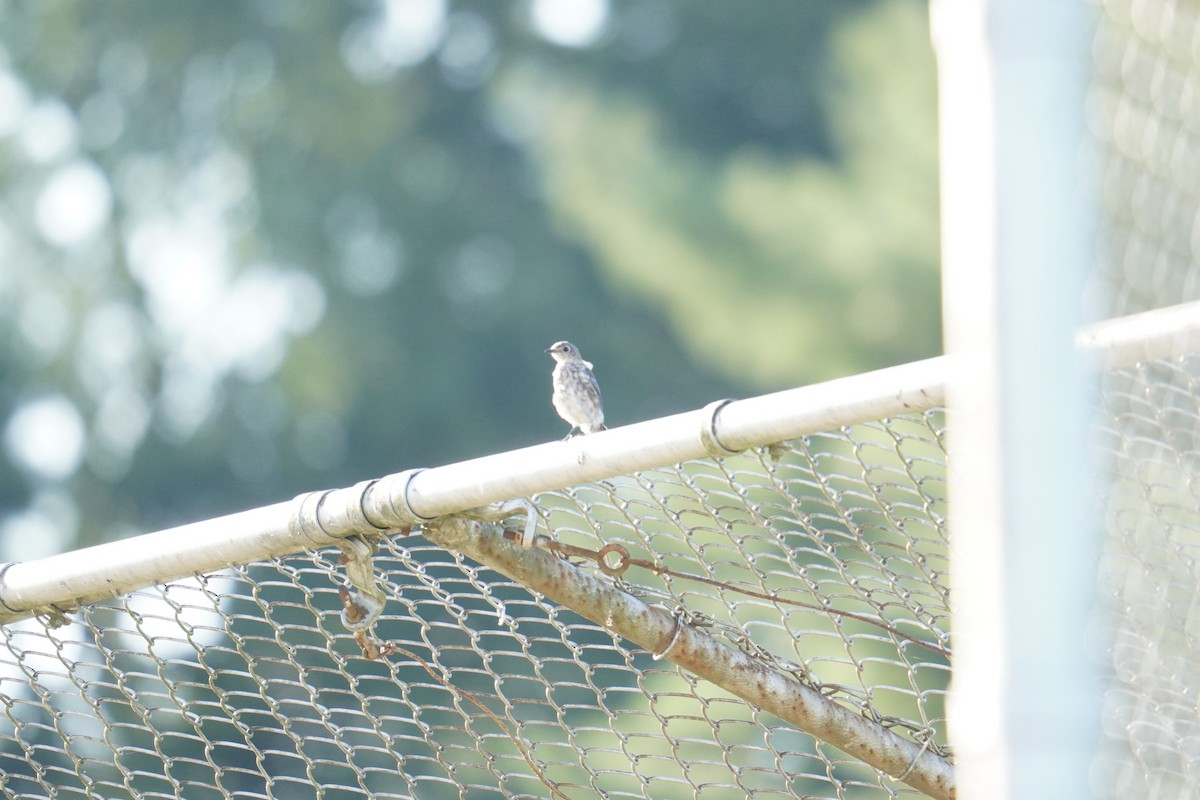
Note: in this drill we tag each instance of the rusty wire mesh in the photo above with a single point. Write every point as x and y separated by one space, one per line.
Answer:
246 683
1145 115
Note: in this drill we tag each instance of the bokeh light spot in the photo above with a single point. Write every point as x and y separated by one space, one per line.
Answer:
74 205
48 132
570 23
403 33
46 437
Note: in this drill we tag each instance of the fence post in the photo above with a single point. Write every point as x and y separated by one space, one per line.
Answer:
1017 246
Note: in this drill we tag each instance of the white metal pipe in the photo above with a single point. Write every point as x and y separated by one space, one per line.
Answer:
109 569
737 425
105 570
1149 336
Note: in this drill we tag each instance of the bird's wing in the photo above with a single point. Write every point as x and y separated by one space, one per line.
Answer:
591 388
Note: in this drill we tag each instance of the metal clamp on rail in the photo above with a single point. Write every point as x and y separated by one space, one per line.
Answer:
708 431
305 521
3 588
386 502
356 510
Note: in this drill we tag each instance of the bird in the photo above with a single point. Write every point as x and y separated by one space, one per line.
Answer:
576 394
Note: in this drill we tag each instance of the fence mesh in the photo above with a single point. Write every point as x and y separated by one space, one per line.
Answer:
822 557
1145 117
246 683
1149 580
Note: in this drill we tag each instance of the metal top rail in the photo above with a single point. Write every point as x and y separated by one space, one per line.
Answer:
415 496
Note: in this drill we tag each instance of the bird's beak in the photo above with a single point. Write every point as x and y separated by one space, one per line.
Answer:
548 349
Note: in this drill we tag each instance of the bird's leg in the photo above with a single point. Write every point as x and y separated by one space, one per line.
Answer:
570 433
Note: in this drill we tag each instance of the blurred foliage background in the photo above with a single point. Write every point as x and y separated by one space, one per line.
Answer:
249 249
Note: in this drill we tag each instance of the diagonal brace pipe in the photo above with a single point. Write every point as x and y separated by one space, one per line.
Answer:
665 635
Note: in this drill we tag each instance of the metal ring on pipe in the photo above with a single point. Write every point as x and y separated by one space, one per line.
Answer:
3 594
708 431
388 499
305 520
356 510
675 634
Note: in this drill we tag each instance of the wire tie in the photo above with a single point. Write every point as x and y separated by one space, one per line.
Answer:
675 634
912 764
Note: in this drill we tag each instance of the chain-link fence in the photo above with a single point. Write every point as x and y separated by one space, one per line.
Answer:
770 590
1145 115
1149 579
771 623
820 561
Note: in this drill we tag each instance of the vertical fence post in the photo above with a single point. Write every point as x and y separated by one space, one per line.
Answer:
1017 237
